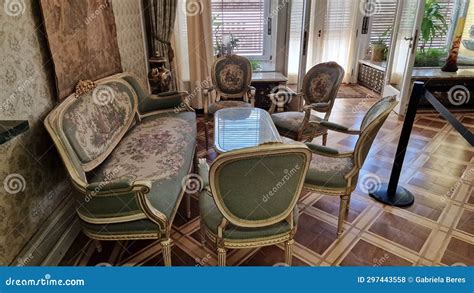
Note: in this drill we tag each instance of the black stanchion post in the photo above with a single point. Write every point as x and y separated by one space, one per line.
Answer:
391 193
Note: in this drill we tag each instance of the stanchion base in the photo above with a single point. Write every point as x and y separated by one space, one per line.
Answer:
402 198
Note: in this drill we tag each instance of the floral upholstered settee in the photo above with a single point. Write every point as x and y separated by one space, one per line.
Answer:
127 154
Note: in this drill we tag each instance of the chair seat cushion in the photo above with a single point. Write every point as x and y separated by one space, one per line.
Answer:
211 217
214 107
160 149
326 172
292 121
139 229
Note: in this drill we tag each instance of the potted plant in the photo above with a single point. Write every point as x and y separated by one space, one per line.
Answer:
380 47
433 25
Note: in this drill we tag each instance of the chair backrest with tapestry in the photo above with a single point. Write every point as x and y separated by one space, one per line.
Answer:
231 76
321 84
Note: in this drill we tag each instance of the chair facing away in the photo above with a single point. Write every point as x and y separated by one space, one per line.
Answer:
250 199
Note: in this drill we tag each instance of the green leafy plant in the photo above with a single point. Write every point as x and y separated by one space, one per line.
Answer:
255 65
383 37
433 24
430 57
221 49
380 46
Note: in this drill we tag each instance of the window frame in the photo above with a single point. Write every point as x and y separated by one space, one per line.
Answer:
268 43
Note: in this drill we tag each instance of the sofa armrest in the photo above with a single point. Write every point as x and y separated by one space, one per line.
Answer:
107 186
165 101
116 187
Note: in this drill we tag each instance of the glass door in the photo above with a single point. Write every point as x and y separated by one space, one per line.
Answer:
402 51
298 41
334 34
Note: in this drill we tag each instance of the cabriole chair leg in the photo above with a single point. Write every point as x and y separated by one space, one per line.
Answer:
188 206
289 252
98 246
221 256
166 247
347 206
203 234
342 213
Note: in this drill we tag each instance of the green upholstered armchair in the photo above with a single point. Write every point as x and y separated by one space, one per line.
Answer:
126 154
320 87
335 173
231 77
250 199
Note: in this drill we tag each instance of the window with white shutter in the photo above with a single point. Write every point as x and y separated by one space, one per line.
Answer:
245 20
383 20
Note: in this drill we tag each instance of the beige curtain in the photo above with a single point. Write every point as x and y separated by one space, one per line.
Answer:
201 55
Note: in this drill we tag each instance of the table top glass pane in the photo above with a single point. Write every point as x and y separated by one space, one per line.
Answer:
236 128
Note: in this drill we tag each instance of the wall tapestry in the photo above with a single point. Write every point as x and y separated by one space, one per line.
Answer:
82 39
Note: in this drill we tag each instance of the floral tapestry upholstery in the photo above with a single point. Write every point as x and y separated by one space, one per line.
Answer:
322 82
95 122
292 121
232 74
159 149
150 151
214 107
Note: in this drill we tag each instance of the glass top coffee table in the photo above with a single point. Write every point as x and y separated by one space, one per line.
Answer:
236 128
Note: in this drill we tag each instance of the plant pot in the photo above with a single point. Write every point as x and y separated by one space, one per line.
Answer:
378 52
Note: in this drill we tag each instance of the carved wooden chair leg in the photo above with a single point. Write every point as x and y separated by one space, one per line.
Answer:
221 256
206 133
203 234
166 247
188 206
325 139
98 246
342 213
289 252
348 206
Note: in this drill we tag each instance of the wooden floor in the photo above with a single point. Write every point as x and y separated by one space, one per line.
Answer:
437 230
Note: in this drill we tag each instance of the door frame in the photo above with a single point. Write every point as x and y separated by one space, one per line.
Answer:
406 84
